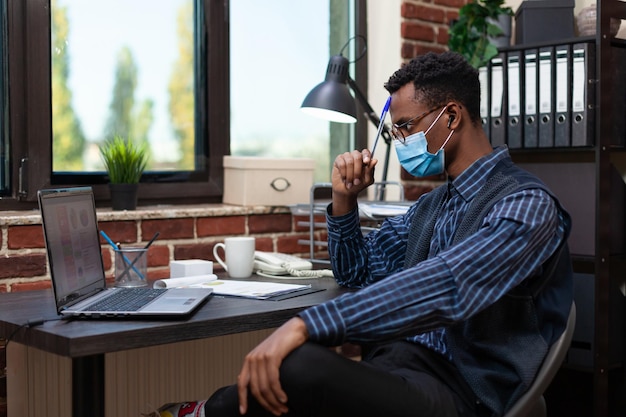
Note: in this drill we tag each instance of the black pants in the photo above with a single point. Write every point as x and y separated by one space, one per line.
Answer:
397 379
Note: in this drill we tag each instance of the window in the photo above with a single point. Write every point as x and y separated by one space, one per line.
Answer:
69 76
269 84
138 84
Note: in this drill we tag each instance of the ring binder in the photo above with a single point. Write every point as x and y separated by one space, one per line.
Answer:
514 104
583 93
530 99
563 77
483 78
497 95
546 109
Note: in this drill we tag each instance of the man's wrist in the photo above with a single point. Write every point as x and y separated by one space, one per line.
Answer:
342 206
299 326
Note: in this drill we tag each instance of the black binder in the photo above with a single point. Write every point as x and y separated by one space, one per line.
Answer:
514 100
562 103
530 99
546 69
583 94
498 127
483 78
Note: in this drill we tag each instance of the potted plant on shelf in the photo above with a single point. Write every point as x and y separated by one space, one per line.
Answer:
473 32
125 162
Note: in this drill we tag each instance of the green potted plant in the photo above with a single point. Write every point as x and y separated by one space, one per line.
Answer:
472 33
125 162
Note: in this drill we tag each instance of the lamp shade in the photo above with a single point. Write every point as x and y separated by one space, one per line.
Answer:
331 99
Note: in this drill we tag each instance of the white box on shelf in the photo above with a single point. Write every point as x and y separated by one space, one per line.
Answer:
251 180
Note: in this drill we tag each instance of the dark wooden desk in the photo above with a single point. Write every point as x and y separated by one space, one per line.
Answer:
88 342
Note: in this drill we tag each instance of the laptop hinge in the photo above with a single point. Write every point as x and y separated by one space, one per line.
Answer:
75 298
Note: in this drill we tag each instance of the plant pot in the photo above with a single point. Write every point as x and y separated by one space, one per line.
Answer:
124 196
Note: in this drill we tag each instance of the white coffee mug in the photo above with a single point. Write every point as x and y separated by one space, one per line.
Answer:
239 256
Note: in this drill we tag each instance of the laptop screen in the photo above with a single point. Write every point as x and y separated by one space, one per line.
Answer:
72 242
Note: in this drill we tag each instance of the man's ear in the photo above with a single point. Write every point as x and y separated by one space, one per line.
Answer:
453 112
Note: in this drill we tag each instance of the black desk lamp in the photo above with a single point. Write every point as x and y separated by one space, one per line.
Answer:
332 101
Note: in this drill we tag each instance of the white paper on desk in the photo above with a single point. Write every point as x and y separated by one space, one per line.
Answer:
184 282
259 290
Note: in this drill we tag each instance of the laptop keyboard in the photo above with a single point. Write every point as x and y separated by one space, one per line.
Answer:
126 299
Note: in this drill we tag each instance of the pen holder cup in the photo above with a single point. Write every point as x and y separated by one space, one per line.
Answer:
131 267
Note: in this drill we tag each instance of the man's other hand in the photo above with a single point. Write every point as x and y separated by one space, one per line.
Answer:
260 370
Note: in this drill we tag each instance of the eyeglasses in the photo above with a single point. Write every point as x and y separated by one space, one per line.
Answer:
396 129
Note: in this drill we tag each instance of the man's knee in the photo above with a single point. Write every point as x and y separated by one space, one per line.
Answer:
307 366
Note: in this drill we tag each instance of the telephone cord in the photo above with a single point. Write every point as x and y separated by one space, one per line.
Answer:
312 273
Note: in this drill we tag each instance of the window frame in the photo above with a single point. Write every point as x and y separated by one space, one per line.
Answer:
30 112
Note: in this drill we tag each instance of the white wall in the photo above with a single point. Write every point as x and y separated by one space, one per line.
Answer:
383 49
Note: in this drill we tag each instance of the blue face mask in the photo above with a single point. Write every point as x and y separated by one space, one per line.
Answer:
414 156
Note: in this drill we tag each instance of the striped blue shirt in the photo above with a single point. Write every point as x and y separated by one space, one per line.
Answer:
456 281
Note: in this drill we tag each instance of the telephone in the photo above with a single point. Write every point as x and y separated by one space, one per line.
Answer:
274 263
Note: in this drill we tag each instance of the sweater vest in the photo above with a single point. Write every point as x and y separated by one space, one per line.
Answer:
499 350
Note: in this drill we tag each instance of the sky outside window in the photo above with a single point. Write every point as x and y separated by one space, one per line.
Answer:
97 31
279 52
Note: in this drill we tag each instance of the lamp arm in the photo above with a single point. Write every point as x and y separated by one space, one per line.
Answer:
369 111
373 117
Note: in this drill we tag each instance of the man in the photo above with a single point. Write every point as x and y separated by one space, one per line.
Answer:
459 299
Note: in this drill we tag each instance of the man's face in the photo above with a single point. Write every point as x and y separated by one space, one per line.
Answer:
410 116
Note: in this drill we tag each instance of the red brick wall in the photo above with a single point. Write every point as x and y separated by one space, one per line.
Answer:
424 26
24 266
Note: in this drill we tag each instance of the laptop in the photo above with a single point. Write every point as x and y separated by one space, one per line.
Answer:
78 278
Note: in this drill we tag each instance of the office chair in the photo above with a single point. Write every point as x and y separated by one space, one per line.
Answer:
532 403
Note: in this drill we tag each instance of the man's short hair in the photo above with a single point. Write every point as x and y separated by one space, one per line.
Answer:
440 78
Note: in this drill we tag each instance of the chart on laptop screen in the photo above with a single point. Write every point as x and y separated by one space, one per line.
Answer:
74 251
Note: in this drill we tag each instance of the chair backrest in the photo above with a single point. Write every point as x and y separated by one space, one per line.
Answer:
532 402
